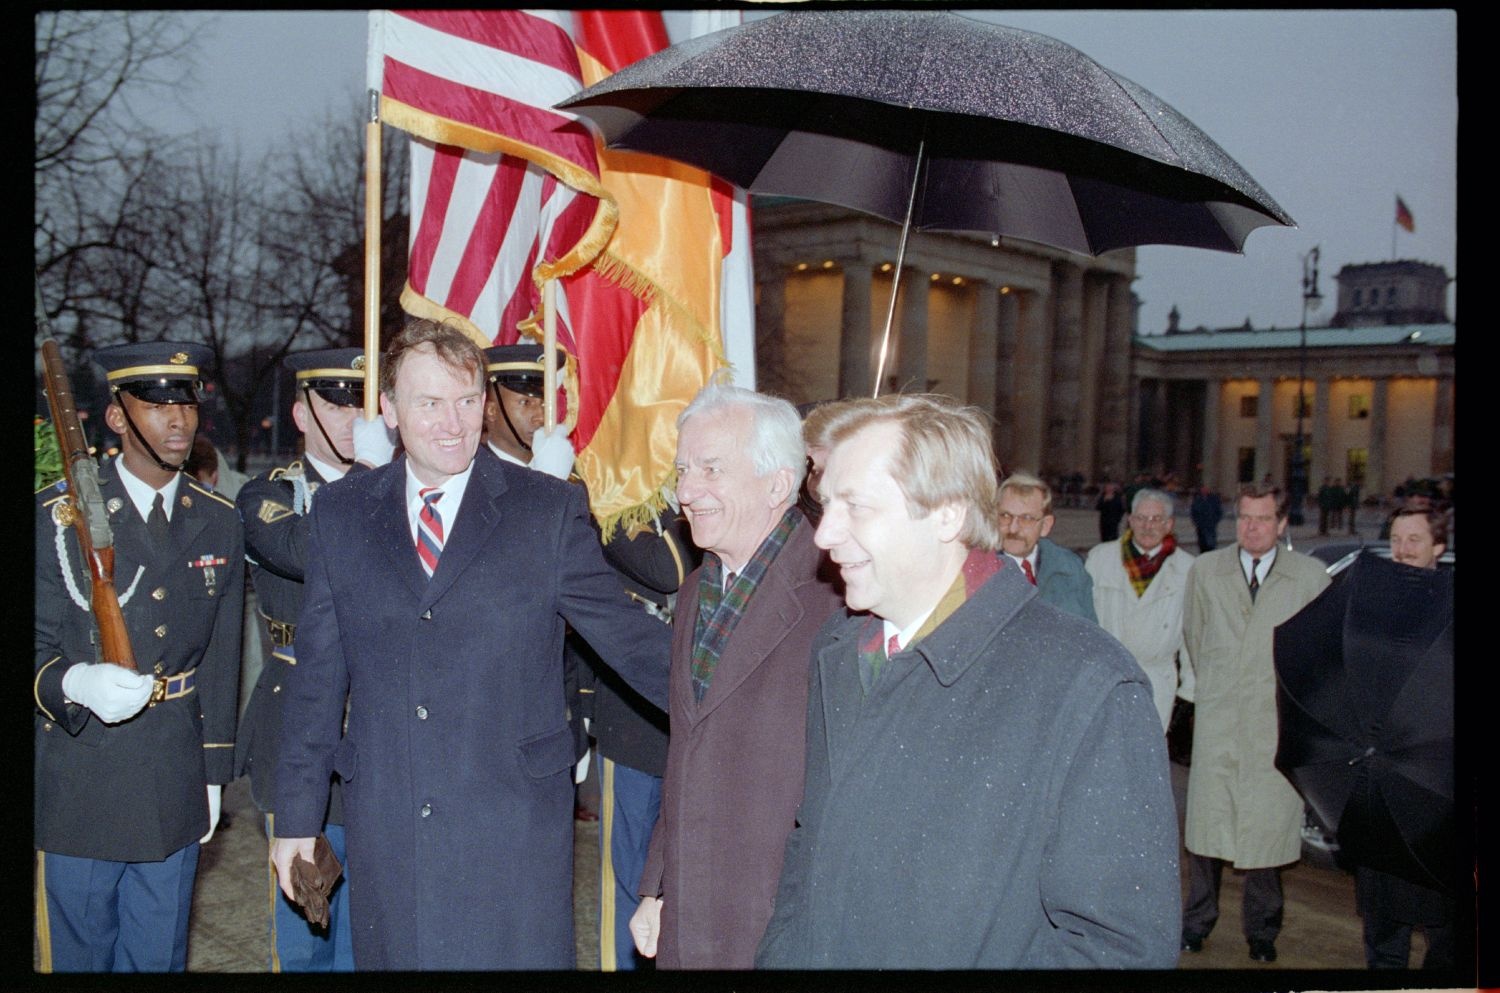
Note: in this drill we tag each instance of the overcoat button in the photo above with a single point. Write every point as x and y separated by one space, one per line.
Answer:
427 615
421 713
426 810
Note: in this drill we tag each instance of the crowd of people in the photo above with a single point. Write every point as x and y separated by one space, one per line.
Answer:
849 705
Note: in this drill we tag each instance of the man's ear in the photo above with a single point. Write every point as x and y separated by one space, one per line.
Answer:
299 416
1047 521
388 411
950 518
114 418
781 486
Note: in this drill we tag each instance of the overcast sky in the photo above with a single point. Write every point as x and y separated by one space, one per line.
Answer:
1333 112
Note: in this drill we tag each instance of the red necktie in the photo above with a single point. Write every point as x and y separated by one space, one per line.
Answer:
430 530
893 646
1026 568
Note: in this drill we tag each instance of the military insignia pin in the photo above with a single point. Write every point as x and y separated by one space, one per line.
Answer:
207 564
187 501
178 358
114 505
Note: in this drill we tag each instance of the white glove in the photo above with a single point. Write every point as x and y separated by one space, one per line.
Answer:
215 798
552 452
112 692
372 441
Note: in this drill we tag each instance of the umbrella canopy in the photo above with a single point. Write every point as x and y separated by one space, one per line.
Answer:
1020 134
1364 693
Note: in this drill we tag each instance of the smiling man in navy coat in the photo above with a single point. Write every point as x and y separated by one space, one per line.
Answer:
437 588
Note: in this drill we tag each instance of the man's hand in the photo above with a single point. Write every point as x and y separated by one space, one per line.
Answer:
215 798
645 925
283 850
552 452
112 692
373 444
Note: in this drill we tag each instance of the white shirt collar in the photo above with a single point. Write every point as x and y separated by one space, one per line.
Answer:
505 456
453 497
328 472
1029 557
905 635
1151 554
142 495
1265 563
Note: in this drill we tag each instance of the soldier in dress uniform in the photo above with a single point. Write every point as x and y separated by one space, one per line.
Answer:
130 765
274 505
513 418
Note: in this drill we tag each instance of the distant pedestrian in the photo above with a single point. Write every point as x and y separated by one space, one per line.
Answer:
1111 507
1206 511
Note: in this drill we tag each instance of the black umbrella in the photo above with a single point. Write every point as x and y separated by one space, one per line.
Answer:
1364 693
938 121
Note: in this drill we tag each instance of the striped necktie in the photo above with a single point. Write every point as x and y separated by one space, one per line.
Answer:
430 529
1254 578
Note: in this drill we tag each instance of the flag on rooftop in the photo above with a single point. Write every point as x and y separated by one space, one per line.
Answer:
652 256
1403 215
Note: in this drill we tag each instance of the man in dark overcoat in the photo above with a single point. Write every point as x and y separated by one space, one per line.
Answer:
274 506
987 785
130 765
744 623
437 591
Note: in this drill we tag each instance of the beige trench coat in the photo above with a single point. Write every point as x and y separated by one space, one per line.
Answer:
1150 625
1239 808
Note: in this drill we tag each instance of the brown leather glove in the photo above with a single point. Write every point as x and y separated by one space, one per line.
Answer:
313 881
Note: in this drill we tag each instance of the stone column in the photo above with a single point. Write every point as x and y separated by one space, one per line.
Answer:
1264 448
770 329
1031 367
1210 475
1442 427
911 364
1112 417
984 347
854 331
1092 352
1321 466
1009 320
1067 358
1375 482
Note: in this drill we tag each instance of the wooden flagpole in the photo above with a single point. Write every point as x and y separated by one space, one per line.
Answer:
549 353
373 214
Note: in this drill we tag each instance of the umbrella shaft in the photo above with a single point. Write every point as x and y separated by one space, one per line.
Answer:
890 314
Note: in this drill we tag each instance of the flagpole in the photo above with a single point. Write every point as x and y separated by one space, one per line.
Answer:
549 353
372 258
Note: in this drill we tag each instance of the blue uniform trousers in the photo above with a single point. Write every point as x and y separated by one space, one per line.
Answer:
298 946
629 801
100 916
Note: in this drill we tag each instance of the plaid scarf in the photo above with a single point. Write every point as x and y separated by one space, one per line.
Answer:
719 610
977 568
1143 568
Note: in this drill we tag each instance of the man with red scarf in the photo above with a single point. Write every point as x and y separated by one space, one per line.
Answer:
1140 585
986 784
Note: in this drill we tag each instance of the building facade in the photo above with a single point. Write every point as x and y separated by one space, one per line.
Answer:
1037 337
1045 341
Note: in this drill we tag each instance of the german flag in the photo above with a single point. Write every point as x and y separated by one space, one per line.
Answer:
1403 215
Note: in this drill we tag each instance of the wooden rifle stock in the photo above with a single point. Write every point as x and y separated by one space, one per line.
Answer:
85 510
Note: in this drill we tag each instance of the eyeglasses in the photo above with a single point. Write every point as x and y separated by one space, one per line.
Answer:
1155 520
1029 520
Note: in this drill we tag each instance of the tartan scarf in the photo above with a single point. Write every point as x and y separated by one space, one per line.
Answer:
977 568
719 610
1143 568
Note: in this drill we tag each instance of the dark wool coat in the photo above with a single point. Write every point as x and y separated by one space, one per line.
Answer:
734 765
1000 800
457 763
136 791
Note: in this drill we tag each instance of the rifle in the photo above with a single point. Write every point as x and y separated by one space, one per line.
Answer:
84 507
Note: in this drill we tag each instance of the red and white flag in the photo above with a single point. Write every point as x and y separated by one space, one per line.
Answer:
507 191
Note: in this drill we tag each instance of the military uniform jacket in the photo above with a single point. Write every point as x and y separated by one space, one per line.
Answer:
135 791
457 762
273 508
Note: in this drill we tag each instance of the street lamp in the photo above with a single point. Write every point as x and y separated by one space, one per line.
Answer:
1311 299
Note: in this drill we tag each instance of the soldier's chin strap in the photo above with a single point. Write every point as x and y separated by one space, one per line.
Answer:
311 409
495 385
165 466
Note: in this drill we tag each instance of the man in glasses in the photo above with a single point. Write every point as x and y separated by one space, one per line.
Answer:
1140 583
1025 521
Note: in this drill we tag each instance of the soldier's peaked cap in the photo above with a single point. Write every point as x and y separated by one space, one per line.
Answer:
155 371
335 374
519 367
